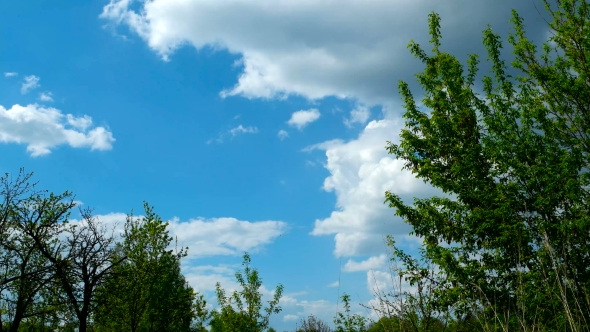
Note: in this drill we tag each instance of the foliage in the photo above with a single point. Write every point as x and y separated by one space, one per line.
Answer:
148 291
510 231
241 310
345 322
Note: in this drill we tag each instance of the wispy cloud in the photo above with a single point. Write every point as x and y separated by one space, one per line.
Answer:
10 74
283 134
359 114
46 96
243 130
30 82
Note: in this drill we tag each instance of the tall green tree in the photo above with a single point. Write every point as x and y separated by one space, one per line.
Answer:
511 233
148 291
241 311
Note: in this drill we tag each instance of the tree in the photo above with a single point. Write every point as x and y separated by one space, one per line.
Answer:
514 168
148 291
313 324
82 262
27 275
246 315
347 322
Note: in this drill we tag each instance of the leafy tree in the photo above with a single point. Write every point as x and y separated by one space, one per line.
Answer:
81 262
148 291
511 232
241 310
347 322
30 221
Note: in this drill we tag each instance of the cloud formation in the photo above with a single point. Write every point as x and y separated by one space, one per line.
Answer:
343 48
10 74
43 129
359 114
302 118
46 96
30 83
372 263
361 172
243 130
282 134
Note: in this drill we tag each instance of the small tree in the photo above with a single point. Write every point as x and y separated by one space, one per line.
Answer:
347 322
246 315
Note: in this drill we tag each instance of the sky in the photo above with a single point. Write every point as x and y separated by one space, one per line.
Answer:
250 125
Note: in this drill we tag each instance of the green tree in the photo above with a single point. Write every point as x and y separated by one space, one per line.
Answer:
345 322
148 291
242 310
31 222
513 165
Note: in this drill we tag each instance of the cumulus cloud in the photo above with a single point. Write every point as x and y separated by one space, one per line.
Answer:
225 236
30 83
302 118
361 172
343 48
375 262
282 134
46 96
10 74
243 130
43 129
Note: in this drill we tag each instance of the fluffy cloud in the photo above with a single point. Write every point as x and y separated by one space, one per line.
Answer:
360 173
216 236
343 48
46 96
42 129
224 236
375 262
302 118
282 134
30 82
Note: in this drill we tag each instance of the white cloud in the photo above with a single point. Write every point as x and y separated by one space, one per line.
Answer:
30 83
10 74
290 318
343 48
334 284
359 114
243 130
360 173
375 262
282 134
42 129
224 236
46 96
302 118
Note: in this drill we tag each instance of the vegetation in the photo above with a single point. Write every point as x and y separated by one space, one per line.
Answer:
505 248
509 240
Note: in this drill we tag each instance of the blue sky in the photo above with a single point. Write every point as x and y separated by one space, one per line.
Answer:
253 126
